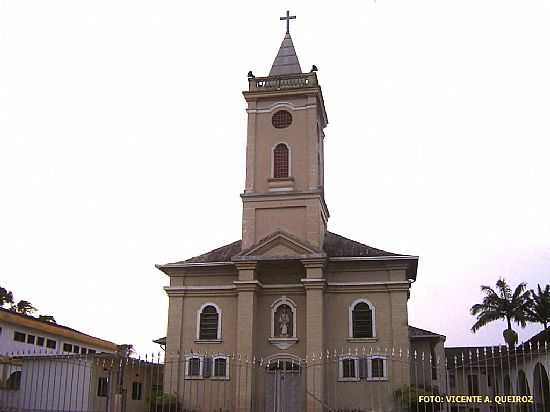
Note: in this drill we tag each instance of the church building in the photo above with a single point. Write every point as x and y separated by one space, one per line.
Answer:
290 300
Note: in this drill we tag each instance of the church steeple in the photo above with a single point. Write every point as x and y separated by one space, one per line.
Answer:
284 188
286 61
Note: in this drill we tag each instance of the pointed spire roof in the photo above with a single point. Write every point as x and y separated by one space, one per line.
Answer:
286 61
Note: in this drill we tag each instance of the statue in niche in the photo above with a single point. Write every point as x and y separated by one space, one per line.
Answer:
283 318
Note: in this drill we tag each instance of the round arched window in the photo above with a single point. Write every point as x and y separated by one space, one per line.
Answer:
281 119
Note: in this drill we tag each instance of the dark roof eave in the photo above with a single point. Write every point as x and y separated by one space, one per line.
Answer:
191 264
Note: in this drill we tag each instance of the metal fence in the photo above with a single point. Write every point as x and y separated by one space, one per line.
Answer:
345 380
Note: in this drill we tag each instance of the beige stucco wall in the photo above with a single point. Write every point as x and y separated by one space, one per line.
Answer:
265 208
384 286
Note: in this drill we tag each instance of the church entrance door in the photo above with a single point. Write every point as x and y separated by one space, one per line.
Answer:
285 387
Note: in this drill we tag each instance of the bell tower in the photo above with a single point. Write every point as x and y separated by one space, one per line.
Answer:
284 188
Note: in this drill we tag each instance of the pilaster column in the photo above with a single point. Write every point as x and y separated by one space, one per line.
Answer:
247 286
173 369
314 284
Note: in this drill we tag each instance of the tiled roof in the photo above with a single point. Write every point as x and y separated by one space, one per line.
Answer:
221 254
334 246
422 333
539 339
30 321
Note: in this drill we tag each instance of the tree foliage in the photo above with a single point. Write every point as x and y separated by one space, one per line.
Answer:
407 396
503 303
6 297
23 307
539 308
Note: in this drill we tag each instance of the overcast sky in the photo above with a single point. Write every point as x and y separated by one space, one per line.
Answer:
122 141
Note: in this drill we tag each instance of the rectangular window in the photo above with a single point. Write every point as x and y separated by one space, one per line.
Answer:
91 350
377 367
67 347
76 349
193 367
83 351
136 391
102 387
19 337
51 344
40 341
473 385
378 370
31 339
372 368
220 368
348 369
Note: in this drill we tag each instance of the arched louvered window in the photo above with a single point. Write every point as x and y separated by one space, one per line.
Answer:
362 320
280 161
209 327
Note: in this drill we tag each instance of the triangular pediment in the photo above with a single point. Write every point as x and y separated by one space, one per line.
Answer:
280 245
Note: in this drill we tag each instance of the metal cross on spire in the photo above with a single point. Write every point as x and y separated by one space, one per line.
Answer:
288 17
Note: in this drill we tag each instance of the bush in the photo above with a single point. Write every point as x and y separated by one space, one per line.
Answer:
407 397
161 402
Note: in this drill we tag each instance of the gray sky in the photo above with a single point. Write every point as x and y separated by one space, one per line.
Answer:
122 139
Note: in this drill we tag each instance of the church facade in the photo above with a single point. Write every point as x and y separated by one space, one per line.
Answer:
289 292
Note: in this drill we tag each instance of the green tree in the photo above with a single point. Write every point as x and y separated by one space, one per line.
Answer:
24 307
6 297
503 304
539 309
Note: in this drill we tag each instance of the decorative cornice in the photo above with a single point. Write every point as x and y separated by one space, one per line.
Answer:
219 290
246 265
239 285
314 262
247 285
314 283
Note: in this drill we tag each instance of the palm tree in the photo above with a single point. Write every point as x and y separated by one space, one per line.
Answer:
539 310
503 304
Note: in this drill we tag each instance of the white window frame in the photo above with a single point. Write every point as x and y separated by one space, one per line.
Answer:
273 160
341 360
219 332
226 358
384 368
274 306
350 318
201 363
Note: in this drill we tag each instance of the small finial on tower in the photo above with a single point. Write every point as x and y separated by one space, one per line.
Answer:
288 17
313 69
